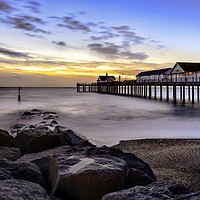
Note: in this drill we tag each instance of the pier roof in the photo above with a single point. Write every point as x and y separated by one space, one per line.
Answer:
104 78
188 67
154 72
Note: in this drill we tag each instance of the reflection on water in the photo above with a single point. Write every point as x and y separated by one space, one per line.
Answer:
105 119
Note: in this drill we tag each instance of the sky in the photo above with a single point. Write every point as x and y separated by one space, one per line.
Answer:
52 43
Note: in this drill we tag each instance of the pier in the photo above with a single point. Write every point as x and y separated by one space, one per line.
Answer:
166 91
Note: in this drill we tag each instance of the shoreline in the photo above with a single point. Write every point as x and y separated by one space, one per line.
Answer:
171 159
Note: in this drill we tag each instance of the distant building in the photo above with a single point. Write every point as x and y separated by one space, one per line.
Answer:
185 72
105 79
160 75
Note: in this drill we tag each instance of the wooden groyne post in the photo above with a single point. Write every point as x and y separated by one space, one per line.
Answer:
19 93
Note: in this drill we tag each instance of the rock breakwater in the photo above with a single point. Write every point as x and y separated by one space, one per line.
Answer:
48 161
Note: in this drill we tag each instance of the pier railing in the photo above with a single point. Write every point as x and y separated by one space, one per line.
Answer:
176 91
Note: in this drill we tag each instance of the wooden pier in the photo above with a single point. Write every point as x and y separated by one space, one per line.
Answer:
176 91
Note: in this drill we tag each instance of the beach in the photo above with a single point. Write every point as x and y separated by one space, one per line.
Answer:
106 120
173 159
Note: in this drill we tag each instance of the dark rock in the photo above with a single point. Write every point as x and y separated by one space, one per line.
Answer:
192 196
16 127
45 142
72 138
24 138
160 190
17 189
132 160
5 174
86 178
54 122
10 153
36 111
54 198
23 171
59 129
28 171
136 177
6 140
42 159
34 140
26 115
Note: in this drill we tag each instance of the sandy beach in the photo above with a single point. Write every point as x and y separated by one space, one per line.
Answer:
174 159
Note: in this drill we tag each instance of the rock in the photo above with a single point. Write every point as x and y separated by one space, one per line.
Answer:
5 174
38 138
24 138
132 160
31 141
42 159
6 140
160 190
54 198
136 177
26 115
54 122
28 171
86 178
17 189
16 127
45 142
23 171
72 138
10 153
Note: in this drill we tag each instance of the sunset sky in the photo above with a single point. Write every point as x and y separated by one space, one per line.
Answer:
61 42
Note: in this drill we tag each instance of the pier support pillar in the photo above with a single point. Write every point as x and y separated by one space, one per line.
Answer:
155 92
167 91
160 92
131 90
183 93
193 94
149 91
189 92
174 93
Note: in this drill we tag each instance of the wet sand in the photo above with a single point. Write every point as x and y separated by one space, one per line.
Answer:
174 159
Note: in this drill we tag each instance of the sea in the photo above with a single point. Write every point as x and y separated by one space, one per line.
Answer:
104 119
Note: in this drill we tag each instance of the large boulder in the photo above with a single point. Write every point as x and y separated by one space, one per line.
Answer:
72 138
136 177
160 190
10 153
5 174
86 178
32 140
42 159
13 189
39 137
23 171
132 161
7 140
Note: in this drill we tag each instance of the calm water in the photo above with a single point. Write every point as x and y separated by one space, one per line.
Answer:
104 119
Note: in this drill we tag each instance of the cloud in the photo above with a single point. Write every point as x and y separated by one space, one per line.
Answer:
33 35
5 7
12 53
33 6
121 28
26 23
134 56
71 23
60 43
108 49
116 51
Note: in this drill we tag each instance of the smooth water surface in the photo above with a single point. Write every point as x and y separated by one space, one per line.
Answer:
104 119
